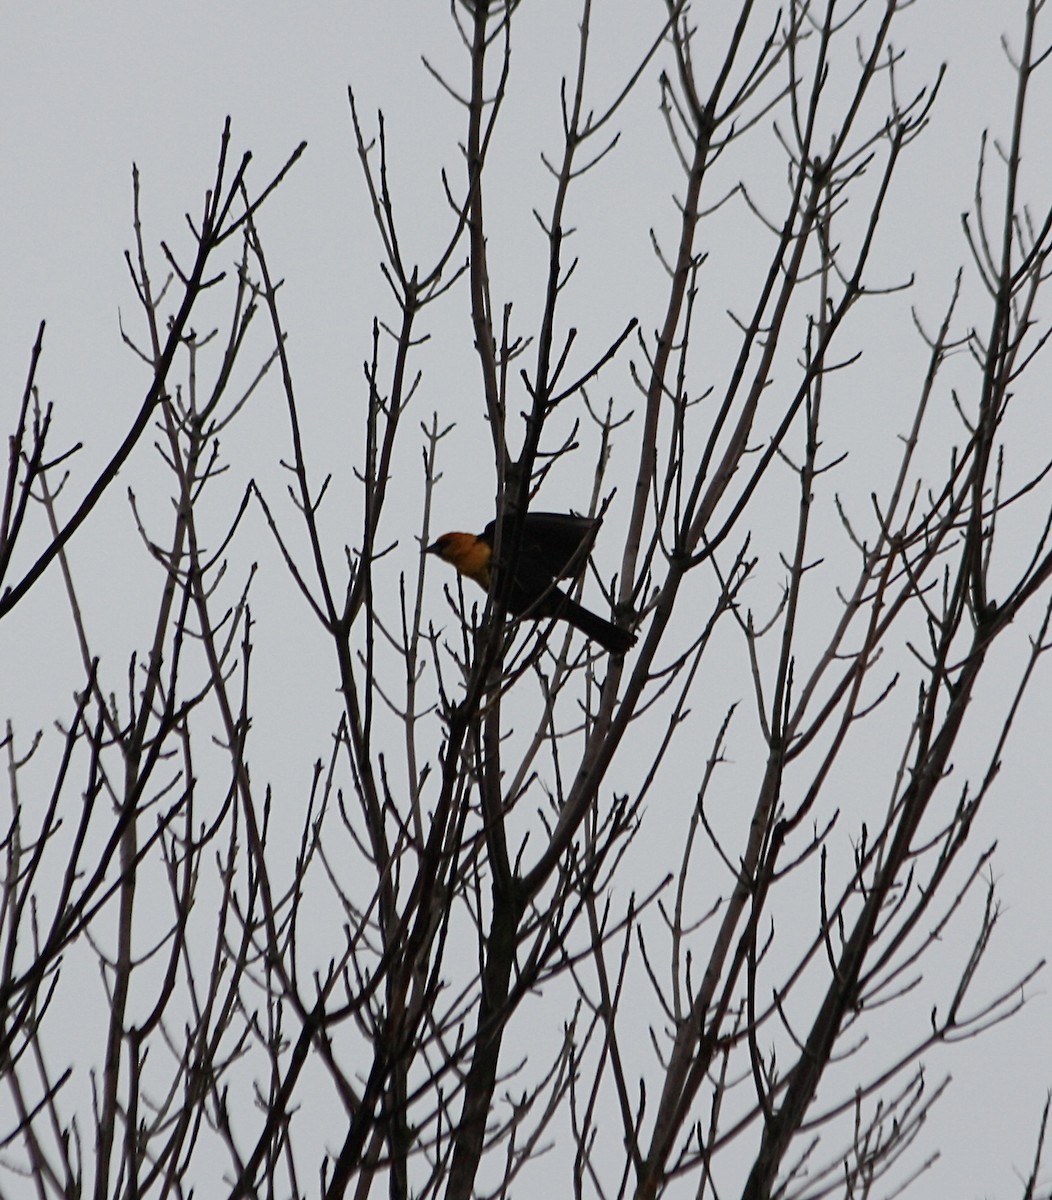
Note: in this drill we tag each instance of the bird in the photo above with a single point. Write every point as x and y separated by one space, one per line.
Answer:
551 546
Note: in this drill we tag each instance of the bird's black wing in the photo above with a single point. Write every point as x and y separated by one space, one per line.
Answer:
553 544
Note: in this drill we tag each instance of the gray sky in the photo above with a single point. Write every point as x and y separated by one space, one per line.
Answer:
86 90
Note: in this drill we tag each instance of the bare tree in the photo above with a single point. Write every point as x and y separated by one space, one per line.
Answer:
468 955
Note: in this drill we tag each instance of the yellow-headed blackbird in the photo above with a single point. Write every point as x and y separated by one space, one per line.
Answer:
552 546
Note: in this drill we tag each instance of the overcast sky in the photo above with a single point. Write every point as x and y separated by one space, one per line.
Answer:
86 90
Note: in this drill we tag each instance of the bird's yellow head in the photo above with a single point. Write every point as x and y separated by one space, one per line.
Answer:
470 555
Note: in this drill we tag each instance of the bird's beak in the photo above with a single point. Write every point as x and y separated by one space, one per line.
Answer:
432 549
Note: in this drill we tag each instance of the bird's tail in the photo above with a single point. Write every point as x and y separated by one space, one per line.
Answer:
611 637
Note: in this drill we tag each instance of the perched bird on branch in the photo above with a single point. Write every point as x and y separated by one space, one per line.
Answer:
551 546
